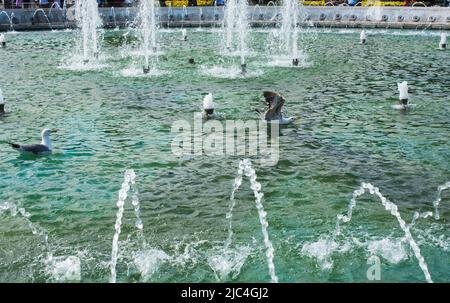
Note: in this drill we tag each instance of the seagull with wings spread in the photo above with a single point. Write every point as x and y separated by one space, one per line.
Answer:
274 113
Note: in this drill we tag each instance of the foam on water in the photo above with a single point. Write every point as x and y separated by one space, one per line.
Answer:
435 235
286 61
390 249
148 261
64 268
323 249
141 53
138 72
233 72
227 262
237 53
403 107
76 63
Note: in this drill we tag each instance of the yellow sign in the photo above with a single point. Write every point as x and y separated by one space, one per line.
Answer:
181 3
313 2
382 3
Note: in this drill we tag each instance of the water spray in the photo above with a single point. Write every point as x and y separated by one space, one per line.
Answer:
2 40
362 37
403 93
443 42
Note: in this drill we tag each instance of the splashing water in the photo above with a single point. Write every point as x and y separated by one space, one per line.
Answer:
391 250
242 28
286 39
436 202
35 229
245 167
59 268
137 211
229 22
393 209
225 261
86 13
149 261
322 250
256 187
236 26
129 181
148 32
64 268
229 216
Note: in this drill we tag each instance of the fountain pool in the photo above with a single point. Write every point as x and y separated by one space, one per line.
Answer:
347 133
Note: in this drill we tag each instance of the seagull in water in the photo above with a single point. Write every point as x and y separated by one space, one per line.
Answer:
44 147
274 114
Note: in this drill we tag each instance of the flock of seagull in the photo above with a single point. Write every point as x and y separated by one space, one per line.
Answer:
273 113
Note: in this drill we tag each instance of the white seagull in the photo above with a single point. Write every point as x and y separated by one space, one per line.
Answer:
44 147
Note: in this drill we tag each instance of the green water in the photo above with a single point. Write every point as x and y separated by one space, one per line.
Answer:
346 133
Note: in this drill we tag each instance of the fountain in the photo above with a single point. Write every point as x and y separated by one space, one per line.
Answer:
436 202
403 93
289 29
184 16
393 209
285 41
362 37
128 183
245 168
60 268
443 42
2 40
2 103
183 34
55 4
11 26
236 28
229 22
147 32
40 10
35 229
170 16
112 17
86 13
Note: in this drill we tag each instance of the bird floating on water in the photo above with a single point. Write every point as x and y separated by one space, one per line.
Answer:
274 113
209 111
44 147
